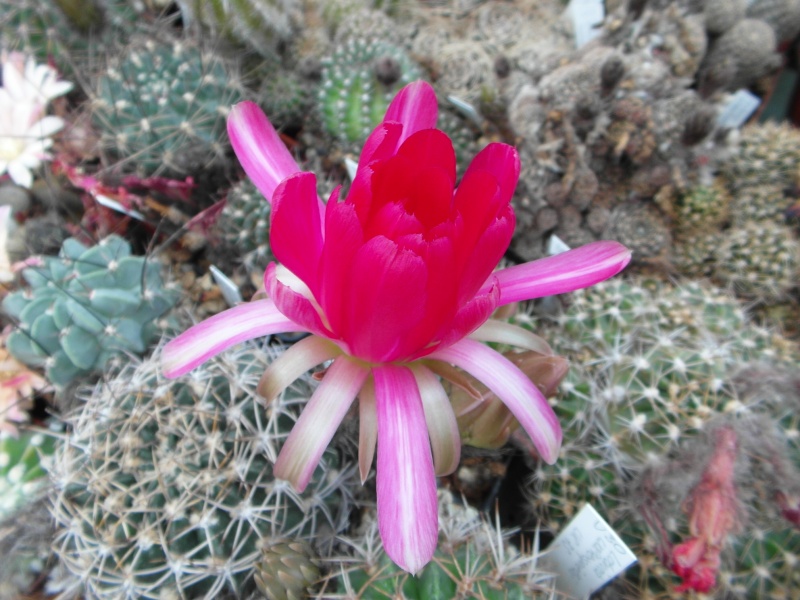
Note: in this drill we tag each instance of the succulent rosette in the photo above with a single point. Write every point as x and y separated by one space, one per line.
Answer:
397 284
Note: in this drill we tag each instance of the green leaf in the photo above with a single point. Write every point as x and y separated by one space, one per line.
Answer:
82 348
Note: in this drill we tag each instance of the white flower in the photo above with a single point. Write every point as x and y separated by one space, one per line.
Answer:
25 131
6 273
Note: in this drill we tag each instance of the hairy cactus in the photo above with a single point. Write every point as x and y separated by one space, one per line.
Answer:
703 209
21 472
782 15
358 82
164 488
760 260
759 203
161 107
641 227
245 224
473 561
85 306
720 15
264 25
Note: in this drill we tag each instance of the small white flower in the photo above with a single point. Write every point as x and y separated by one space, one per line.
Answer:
25 131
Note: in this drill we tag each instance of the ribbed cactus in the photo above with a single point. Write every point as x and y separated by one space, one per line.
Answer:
473 561
161 107
358 82
165 489
261 24
85 306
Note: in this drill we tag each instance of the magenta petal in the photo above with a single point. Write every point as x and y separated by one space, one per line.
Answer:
296 227
238 324
407 507
265 158
415 107
502 161
515 390
562 273
318 422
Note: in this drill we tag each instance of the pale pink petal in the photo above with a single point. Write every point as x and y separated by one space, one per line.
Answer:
455 376
293 298
441 421
20 174
318 422
47 126
367 428
514 389
296 360
259 148
415 107
210 337
562 273
502 332
296 227
406 483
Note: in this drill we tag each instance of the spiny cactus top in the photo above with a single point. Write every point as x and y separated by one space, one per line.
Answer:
391 281
86 305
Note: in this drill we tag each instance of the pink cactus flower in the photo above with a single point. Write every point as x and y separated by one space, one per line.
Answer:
396 283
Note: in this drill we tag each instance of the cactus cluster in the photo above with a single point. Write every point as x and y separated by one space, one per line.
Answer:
359 80
165 489
654 370
161 106
473 560
263 25
85 306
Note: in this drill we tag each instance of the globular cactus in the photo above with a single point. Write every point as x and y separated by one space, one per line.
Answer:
720 15
473 561
782 15
740 56
703 209
164 488
21 471
245 225
358 82
759 260
263 25
85 306
759 203
642 228
766 154
287 569
161 107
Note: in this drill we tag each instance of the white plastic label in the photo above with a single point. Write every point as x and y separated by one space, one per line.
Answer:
586 555
738 109
587 16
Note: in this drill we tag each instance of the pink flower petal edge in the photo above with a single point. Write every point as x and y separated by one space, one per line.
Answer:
259 148
408 517
517 392
210 337
318 422
562 273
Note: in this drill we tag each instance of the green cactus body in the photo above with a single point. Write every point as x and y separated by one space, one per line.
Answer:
472 561
85 306
768 154
358 83
161 107
761 260
164 487
21 472
245 225
759 203
261 24
703 208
